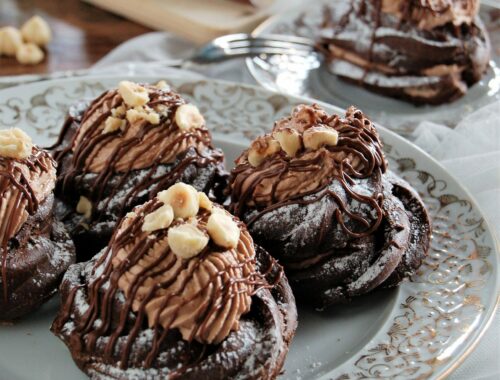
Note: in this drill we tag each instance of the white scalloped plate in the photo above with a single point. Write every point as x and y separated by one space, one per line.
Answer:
305 77
423 329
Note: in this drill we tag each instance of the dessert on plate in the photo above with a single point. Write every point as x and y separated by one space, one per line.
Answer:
35 248
180 291
421 51
317 194
120 150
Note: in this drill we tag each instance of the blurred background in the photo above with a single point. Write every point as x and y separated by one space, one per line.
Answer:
84 31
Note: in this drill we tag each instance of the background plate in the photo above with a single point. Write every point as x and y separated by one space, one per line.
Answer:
305 76
420 330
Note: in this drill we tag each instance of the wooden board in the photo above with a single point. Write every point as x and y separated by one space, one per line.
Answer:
197 20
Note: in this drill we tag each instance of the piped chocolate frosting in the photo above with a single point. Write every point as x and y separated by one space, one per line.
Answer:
203 296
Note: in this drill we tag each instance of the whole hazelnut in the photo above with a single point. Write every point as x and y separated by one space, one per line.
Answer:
10 41
29 54
37 31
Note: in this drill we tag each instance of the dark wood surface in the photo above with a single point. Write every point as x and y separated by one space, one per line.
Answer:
82 33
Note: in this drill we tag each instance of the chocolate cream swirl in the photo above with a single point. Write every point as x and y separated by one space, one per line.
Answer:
139 144
281 180
24 184
428 14
108 164
203 297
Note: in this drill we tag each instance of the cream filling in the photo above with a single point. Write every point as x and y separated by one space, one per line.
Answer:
437 70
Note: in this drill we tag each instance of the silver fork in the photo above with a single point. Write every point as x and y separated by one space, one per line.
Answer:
221 48
245 45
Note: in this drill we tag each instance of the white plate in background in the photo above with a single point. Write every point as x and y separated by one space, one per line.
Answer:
304 77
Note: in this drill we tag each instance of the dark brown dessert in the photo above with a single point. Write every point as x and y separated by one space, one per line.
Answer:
35 248
316 193
122 149
422 51
180 291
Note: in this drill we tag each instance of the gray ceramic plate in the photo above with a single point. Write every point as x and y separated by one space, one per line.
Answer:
423 329
305 77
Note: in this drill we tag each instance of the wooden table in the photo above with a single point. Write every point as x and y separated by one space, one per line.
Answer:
82 34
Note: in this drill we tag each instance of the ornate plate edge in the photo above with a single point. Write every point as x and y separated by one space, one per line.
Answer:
454 363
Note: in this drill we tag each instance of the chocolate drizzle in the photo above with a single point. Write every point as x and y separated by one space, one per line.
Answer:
165 281
358 155
17 196
114 158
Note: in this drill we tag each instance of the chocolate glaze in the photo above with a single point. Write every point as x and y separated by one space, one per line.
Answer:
114 193
105 333
402 60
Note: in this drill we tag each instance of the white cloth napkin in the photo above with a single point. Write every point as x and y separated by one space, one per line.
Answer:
471 152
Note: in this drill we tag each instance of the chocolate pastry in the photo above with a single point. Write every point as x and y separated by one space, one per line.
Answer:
180 291
122 149
316 193
35 248
422 51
